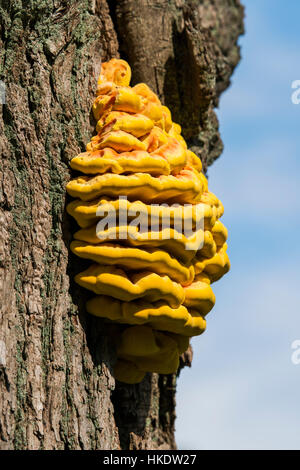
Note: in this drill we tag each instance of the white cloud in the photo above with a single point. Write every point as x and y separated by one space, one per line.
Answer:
242 391
250 407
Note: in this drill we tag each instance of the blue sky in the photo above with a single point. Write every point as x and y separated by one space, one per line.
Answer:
243 389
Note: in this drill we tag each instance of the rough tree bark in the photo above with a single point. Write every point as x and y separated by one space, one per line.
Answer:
57 390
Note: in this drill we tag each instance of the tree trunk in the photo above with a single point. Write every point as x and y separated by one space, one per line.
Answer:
57 390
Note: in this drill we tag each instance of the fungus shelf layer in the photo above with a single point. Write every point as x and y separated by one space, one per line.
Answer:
152 279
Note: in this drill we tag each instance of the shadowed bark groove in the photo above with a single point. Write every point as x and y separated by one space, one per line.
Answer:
57 390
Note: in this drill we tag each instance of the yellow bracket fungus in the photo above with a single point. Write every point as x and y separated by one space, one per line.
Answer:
168 239
184 187
85 213
159 315
135 258
113 281
107 160
155 281
135 124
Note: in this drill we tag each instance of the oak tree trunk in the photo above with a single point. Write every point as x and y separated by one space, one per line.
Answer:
57 389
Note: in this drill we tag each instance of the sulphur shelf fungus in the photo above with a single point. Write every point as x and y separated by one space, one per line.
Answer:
150 277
